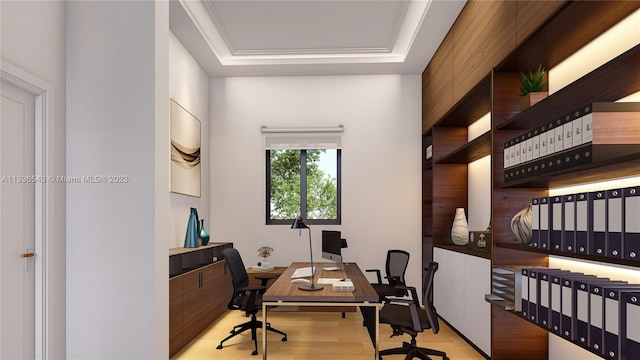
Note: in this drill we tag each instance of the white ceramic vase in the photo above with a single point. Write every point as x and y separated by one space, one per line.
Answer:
460 228
264 262
521 225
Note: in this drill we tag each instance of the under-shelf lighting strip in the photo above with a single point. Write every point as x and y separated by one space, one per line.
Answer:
613 42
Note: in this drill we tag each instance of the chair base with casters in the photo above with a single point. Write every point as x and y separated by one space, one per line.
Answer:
252 325
413 351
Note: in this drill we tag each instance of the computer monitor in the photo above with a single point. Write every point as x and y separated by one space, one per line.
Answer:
332 245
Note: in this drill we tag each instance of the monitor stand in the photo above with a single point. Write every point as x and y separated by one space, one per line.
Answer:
337 267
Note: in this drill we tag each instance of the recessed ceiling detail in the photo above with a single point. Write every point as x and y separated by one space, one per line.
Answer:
307 27
297 37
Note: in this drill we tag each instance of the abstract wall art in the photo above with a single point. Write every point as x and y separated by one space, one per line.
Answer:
185 151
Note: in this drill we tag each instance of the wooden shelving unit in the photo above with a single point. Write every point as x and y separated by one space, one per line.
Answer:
607 260
466 250
471 151
555 31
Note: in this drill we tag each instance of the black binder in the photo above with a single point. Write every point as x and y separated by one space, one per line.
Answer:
598 220
582 223
615 222
557 224
569 230
631 234
615 323
544 224
631 333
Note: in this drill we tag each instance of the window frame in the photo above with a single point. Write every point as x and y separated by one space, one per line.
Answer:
303 191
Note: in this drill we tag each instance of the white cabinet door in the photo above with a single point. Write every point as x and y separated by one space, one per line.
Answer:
440 284
459 288
457 293
478 311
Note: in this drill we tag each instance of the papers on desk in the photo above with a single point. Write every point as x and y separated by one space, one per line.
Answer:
338 284
329 280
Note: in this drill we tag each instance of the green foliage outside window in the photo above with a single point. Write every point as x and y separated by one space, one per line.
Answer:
287 184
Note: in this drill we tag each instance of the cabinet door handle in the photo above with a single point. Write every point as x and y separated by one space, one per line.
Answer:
199 280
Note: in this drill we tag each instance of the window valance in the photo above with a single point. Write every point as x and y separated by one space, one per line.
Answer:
302 138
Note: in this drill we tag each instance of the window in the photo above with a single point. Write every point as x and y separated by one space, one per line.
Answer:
303 175
303 183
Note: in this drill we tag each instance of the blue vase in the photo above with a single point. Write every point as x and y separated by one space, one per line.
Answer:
193 230
204 234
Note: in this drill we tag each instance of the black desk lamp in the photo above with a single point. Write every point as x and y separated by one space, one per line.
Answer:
299 224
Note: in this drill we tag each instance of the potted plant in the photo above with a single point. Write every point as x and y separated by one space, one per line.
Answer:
532 86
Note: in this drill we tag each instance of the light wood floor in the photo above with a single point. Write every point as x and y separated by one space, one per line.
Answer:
315 336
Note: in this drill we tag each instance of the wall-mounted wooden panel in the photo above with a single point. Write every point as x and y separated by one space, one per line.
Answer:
532 341
437 84
483 35
575 25
532 14
450 183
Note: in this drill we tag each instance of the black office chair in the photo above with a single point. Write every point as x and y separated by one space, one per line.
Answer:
245 298
396 266
406 316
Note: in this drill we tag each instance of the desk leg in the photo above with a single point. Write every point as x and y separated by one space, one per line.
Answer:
264 331
377 350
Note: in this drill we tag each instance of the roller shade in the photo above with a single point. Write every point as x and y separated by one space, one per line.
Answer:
302 138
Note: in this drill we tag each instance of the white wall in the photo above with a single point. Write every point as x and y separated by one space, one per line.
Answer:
381 162
189 86
117 233
33 38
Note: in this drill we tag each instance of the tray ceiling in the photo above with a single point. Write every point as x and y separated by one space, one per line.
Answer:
266 37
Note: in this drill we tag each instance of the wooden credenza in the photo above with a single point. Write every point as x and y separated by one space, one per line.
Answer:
199 289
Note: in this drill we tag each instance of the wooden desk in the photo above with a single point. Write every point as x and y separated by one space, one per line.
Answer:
284 292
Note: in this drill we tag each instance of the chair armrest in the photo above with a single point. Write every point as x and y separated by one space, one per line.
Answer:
377 271
412 290
253 294
393 280
264 279
252 288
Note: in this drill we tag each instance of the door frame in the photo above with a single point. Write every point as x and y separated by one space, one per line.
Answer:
45 185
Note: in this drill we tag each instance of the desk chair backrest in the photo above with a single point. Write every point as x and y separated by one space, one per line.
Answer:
428 296
239 276
397 262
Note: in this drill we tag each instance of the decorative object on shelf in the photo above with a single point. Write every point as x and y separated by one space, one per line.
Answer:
460 228
299 224
506 289
521 225
532 86
264 253
204 234
480 240
185 151
193 233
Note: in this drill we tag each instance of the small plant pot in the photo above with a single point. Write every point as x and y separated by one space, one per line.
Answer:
532 98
